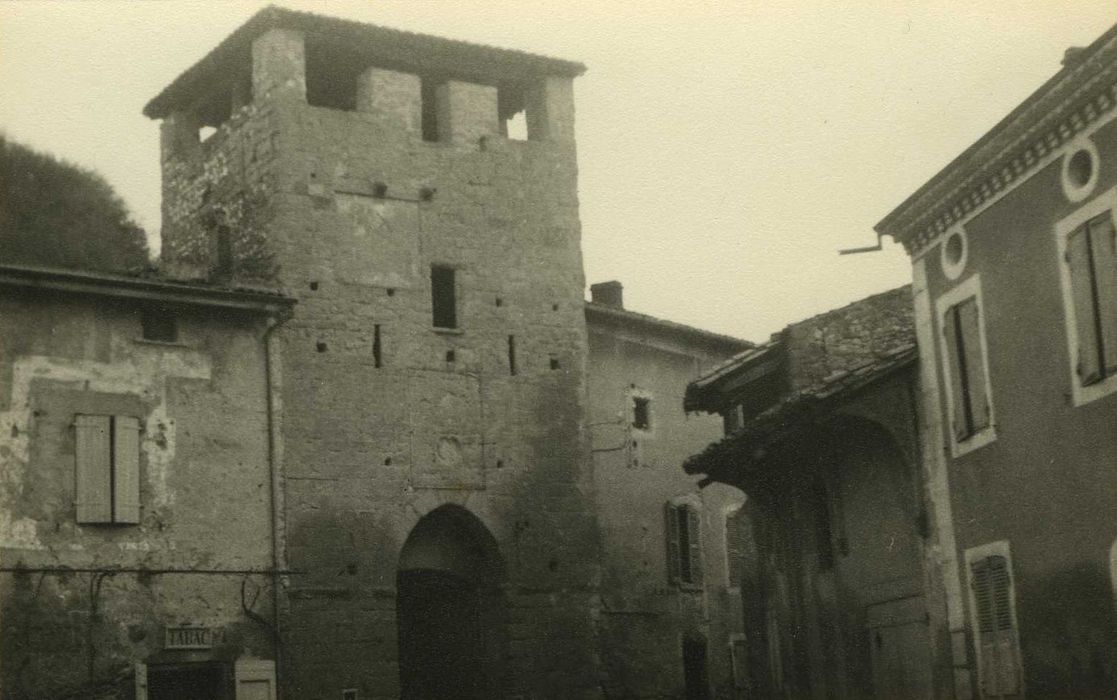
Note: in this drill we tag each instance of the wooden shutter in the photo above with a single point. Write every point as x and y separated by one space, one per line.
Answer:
957 376
126 470
140 679
996 636
671 535
1081 283
969 323
694 544
93 479
255 679
1103 246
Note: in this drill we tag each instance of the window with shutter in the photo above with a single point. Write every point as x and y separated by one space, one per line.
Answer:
684 544
671 532
94 469
965 366
107 484
994 624
1091 257
1087 241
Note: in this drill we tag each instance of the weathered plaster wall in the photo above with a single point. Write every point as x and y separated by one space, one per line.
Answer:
636 472
204 488
371 446
1046 484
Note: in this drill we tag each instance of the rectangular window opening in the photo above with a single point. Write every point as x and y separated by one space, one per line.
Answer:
515 126
429 109
1092 258
512 355
641 413
331 76
962 328
686 574
444 302
159 324
377 348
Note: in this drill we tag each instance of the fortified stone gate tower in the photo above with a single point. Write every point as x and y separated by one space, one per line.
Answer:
432 434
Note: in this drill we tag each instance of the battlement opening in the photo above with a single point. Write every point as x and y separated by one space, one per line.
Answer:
332 75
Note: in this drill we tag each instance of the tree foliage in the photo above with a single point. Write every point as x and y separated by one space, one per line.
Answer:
56 214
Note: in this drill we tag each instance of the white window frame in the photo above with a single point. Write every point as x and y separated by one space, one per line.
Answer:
1073 192
954 270
998 548
970 287
1080 394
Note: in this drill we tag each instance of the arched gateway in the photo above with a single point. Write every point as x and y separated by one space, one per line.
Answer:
450 611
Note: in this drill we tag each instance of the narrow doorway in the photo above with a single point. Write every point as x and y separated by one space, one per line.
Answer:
696 676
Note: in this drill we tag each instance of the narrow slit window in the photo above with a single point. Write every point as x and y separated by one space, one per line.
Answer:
641 413
444 301
377 347
512 355
429 109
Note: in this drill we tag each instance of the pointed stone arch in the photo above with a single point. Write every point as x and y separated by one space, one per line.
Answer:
450 608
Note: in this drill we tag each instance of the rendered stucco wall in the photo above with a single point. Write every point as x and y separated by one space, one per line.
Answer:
201 405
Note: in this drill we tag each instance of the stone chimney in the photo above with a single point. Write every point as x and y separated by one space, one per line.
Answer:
609 293
1072 55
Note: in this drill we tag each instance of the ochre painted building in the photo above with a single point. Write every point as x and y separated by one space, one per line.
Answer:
1014 260
435 456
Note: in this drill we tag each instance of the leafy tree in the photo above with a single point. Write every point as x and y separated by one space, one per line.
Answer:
56 214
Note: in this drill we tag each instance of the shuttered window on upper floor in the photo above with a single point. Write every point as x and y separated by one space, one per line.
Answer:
961 326
684 544
107 456
995 628
1091 256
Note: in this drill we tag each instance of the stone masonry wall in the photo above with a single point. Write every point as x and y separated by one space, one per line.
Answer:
204 493
846 338
377 433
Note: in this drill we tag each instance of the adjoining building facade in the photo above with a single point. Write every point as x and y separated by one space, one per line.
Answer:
1014 261
138 538
670 620
437 476
838 560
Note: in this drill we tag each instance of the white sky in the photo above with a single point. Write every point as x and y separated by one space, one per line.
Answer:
727 150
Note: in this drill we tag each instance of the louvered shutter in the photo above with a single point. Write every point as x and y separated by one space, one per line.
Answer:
954 360
694 544
1081 283
671 535
126 470
93 478
1103 245
1006 658
969 322
992 588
